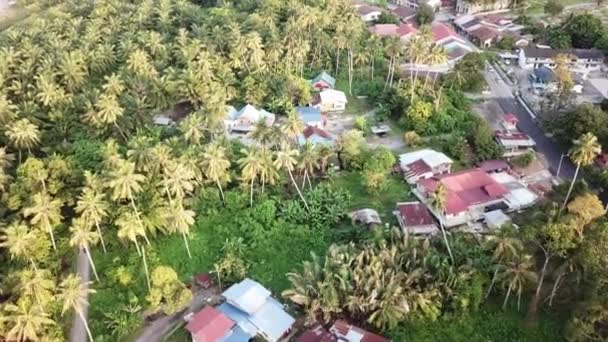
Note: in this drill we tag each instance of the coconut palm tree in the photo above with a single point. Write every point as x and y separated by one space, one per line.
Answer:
46 213
92 207
583 153
517 275
262 134
215 166
6 159
251 167
292 126
83 238
309 162
504 248
179 220
130 228
37 284
19 240
286 159
73 292
23 134
26 320
178 180
192 128
268 172
124 182
394 49
438 201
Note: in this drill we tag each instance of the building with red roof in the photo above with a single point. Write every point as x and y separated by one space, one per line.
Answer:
415 218
468 194
209 325
443 33
484 36
317 334
404 13
514 143
509 122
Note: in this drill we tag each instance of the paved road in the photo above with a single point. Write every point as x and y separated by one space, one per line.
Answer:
79 333
503 94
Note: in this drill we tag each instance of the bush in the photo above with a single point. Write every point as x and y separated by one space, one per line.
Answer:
523 160
412 139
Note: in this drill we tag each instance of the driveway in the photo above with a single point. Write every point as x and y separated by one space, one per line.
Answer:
503 95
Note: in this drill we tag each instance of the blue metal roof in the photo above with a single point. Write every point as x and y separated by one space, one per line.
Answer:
241 318
309 114
271 320
237 335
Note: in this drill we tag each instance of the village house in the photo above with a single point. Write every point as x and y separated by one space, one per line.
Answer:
317 334
211 325
315 136
414 4
245 119
484 36
423 164
323 81
404 13
255 312
581 59
509 122
414 218
403 31
514 143
330 100
311 116
368 13
469 193
472 7
345 332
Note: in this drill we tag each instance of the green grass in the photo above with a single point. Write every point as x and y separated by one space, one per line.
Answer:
355 106
397 190
490 323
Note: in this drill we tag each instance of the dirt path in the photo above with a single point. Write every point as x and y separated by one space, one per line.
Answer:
78 333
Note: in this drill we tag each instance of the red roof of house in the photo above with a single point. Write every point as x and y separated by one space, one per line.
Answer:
510 118
312 130
343 328
404 12
316 334
493 18
405 29
465 189
417 168
415 214
503 135
493 165
442 31
384 30
209 325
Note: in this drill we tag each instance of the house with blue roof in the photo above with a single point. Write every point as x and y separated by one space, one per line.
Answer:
311 116
541 78
255 312
244 120
316 136
323 81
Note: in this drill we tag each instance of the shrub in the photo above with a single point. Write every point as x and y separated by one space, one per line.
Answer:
523 160
412 139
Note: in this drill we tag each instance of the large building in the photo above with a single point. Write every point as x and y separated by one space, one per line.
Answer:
423 164
472 7
580 59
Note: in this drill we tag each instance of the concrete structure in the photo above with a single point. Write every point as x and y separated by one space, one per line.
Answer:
245 119
514 143
472 7
581 59
414 218
414 4
496 219
330 100
423 164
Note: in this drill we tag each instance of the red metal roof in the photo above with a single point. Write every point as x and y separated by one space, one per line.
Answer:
415 214
312 130
465 189
403 12
484 33
316 334
418 168
384 30
405 29
209 325
342 328
512 135
511 118
442 31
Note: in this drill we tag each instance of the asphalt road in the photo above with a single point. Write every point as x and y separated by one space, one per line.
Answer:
503 94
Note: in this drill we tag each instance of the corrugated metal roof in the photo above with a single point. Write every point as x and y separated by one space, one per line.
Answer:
248 295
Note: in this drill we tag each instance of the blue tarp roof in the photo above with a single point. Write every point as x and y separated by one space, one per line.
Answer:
542 75
309 114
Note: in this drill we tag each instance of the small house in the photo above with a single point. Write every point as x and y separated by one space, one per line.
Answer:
255 311
484 36
367 216
514 143
414 218
323 81
245 119
316 136
509 122
424 164
311 116
203 280
210 325
345 332
404 13
317 334
330 100
368 13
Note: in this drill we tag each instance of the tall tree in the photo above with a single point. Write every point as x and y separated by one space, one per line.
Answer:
83 238
179 220
93 208
286 159
438 201
583 153
73 292
46 213
23 134
26 320
215 166
251 167
124 183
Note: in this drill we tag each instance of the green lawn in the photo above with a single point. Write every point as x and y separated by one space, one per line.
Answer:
355 106
397 190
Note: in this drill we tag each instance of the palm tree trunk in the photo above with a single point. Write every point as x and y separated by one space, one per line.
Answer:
143 257
33 264
337 61
533 306
438 99
578 166
103 243
86 325
445 238
492 283
137 247
504 304
518 299
88 253
373 67
219 186
137 215
555 287
251 194
350 71
120 131
50 229
187 246
298 189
